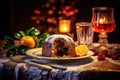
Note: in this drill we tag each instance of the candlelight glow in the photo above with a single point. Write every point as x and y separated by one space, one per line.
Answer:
64 26
102 20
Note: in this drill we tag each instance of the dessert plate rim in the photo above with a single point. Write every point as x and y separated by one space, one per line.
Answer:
37 53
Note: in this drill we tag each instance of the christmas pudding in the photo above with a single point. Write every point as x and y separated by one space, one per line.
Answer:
59 45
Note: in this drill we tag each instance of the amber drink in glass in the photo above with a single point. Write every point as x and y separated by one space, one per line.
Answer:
103 22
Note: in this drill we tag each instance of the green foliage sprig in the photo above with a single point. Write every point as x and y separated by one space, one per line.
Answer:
13 49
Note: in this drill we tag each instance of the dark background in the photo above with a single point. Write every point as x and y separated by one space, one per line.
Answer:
15 15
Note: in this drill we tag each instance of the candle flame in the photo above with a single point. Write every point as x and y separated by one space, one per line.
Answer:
64 26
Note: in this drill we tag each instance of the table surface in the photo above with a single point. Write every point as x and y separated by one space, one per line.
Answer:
80 70
85 69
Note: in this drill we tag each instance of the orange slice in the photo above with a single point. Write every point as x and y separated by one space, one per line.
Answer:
81 50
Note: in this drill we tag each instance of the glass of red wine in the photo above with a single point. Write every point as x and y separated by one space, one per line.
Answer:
103 22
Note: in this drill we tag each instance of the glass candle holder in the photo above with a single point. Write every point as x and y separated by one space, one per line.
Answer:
64 26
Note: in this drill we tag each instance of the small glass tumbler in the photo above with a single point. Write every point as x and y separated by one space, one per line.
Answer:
84 33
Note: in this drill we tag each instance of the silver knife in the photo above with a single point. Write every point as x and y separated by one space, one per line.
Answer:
43 64
36 62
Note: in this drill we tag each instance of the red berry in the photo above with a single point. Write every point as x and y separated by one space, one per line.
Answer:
95 52
101 57
114 57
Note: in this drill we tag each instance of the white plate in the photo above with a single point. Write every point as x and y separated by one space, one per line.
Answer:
37 53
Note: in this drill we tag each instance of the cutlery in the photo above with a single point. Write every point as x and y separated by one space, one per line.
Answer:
36 62
43 64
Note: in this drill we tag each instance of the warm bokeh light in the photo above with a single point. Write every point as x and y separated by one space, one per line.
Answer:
49 13
37 11
37 21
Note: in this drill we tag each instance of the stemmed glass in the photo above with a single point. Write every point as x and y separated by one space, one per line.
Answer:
103 22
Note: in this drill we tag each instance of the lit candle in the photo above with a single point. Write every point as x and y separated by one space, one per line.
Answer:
64 26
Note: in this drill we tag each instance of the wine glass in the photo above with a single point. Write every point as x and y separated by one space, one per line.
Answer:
103 22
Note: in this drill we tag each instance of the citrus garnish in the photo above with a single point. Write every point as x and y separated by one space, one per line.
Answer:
81 50
27 41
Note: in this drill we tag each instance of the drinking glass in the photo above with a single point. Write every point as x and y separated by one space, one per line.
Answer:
103 22
84 33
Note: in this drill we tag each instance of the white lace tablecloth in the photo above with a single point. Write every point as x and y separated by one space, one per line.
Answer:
79 70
